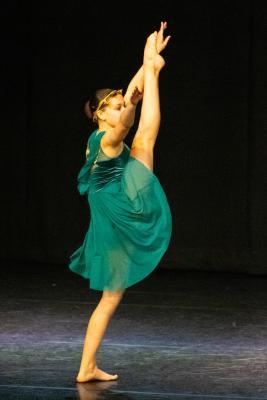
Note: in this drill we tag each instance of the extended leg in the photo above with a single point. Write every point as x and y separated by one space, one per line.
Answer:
145 137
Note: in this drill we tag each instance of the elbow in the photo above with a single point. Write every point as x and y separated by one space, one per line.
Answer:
126 125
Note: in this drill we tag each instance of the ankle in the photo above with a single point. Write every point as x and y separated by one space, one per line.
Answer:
89 368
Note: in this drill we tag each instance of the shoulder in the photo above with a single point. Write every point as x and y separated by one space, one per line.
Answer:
91 137
111 150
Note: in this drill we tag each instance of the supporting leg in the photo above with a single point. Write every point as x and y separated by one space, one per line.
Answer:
95 331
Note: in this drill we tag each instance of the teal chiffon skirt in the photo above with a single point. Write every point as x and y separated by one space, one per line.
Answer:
129 230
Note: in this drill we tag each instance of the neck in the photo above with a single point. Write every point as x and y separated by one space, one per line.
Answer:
102 126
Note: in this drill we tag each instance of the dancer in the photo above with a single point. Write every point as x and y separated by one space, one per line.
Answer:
130 226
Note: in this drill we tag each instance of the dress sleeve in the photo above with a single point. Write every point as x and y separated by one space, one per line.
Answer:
84 174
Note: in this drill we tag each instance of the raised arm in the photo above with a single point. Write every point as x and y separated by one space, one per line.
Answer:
138 79
132 96
126 121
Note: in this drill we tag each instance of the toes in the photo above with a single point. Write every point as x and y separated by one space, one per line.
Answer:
152 36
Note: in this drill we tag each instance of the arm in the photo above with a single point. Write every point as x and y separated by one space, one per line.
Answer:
138 79
126 121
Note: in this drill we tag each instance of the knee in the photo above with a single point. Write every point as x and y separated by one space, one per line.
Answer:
143 142
112 297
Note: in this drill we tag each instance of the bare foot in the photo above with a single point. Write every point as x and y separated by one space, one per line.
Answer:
96 374
152 59
150 50
159 62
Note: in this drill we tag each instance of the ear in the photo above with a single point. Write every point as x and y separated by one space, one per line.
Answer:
101 115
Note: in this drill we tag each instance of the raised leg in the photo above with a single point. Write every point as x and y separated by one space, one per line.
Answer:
97 325
145 137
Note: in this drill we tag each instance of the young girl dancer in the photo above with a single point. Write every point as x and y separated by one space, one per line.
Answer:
131 224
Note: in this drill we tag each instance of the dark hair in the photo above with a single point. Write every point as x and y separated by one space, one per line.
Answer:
93 102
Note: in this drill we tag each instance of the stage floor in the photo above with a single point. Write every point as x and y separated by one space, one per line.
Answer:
176 335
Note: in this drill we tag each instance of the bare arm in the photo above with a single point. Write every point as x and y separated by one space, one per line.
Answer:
116 135
132 96
137 81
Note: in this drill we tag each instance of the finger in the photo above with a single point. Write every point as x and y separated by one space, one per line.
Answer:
164 43
160 34
136 90
166 40
161 31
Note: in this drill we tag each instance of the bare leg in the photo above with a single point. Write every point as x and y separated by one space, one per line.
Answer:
145 137
96 328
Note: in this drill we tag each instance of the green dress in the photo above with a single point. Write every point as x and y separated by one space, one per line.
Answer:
130 219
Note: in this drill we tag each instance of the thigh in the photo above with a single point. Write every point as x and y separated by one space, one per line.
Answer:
143 151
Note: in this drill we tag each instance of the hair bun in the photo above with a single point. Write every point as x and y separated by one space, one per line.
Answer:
87 110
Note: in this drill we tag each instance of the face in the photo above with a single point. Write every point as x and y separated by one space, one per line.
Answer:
112 111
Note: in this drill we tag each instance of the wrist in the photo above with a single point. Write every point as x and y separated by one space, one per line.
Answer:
127 116
131 105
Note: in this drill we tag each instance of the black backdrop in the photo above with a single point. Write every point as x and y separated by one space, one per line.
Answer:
210 154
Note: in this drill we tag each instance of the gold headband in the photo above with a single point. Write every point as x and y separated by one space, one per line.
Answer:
104 100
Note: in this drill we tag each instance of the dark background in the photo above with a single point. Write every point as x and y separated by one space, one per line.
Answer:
210 155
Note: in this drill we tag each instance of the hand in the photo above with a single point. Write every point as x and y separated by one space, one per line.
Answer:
161 42
136 96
